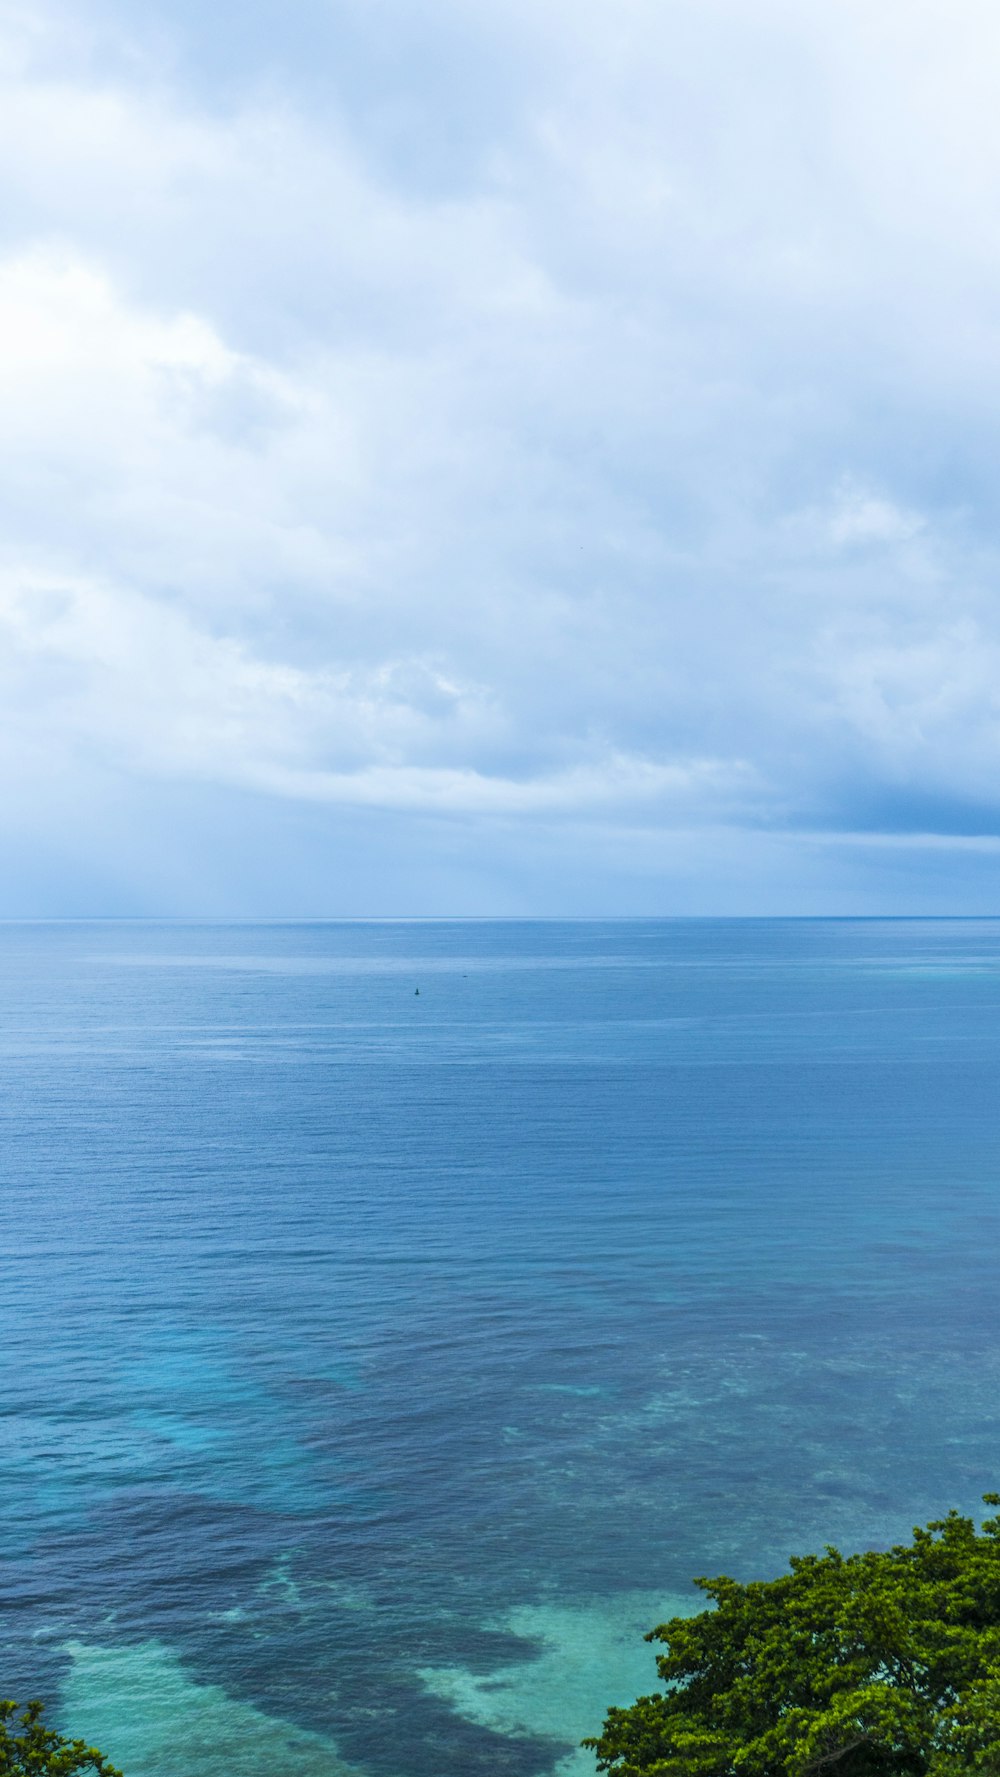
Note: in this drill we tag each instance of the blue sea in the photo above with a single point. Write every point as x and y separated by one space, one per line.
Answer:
397 1316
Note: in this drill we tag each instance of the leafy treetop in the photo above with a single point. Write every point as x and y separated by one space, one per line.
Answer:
29 1748
885 1664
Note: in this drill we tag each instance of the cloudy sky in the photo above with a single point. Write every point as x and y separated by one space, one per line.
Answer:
475 458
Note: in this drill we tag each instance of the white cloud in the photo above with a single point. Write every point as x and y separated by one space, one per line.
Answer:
861 517
137 685
602 423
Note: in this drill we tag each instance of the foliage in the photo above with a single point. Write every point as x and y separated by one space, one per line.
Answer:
885 1664
29 1748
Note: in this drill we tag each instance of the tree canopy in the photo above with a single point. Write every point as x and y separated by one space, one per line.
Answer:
883 1664
30 1748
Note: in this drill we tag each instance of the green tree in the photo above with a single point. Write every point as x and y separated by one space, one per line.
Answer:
885 1664
29 1748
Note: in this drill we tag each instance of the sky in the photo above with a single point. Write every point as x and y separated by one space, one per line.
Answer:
522 459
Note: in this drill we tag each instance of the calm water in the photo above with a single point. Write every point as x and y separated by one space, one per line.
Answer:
379 1364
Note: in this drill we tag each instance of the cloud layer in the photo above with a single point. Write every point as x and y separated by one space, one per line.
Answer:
526 461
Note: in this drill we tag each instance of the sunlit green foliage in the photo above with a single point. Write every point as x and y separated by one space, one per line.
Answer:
884 1664
29 1748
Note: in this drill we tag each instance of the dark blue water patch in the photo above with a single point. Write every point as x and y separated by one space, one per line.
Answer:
360 1344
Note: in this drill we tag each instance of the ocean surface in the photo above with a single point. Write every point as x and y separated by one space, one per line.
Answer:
397 1316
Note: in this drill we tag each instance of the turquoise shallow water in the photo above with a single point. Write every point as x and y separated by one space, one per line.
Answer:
379 1364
